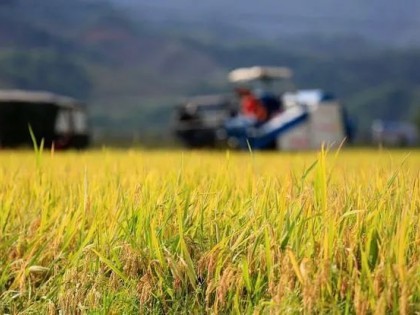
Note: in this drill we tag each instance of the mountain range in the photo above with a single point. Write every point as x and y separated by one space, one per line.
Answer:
385 21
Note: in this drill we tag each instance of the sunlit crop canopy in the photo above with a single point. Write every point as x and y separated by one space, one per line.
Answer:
259 73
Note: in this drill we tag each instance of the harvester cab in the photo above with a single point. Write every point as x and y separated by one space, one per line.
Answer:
263 81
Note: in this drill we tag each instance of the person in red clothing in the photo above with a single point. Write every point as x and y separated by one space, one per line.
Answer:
250 105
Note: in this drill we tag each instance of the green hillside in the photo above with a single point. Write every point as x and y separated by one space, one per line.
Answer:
132 74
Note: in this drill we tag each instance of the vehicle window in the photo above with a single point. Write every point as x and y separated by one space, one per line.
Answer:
80 122
63 122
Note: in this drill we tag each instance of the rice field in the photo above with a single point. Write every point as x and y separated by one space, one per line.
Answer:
170 232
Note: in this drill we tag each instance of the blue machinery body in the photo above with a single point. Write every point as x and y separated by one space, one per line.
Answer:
245 133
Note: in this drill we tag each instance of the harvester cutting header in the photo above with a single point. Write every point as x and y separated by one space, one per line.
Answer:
265 112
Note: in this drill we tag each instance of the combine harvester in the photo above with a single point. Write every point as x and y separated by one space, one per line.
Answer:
300 120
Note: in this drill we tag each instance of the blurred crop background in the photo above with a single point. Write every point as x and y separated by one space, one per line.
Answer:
132 61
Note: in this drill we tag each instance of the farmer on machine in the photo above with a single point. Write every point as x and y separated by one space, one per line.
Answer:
250 105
